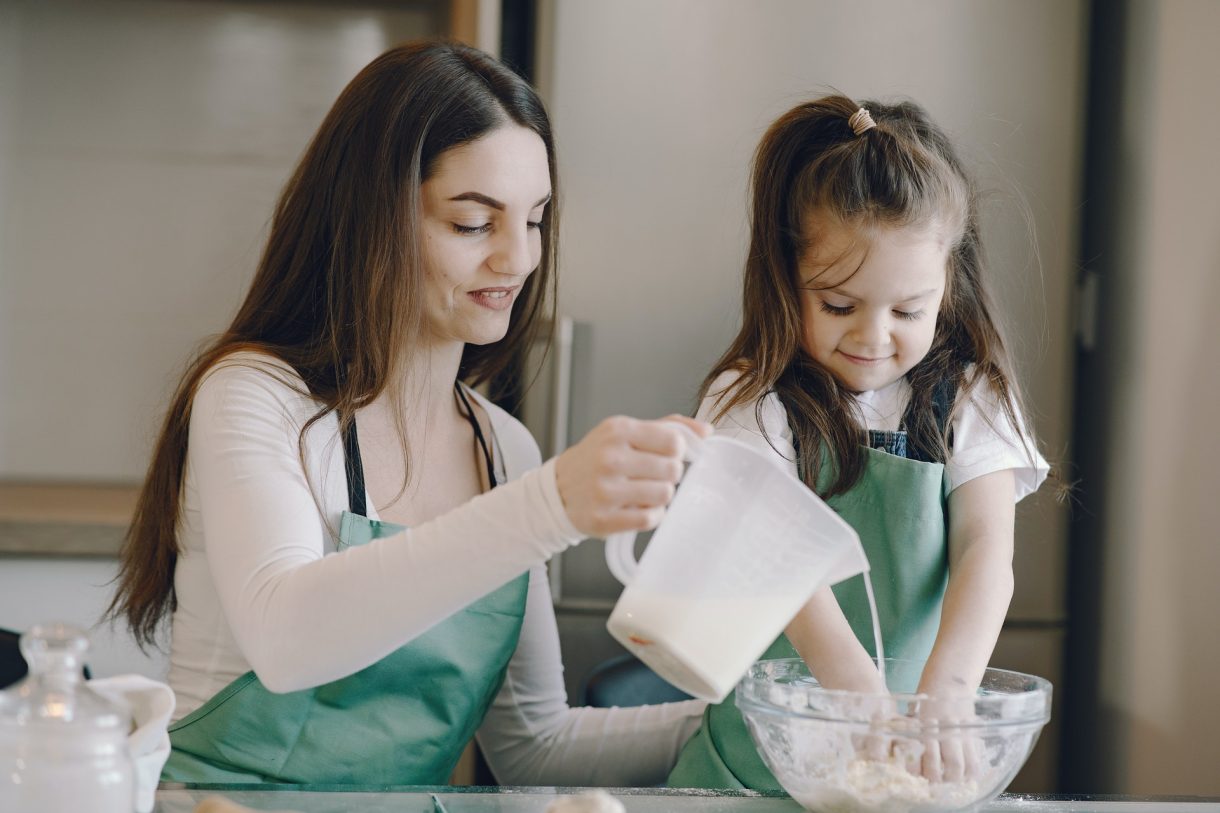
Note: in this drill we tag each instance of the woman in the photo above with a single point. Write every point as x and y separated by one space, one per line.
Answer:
351 606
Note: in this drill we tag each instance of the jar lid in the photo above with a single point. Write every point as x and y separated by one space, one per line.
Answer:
53 693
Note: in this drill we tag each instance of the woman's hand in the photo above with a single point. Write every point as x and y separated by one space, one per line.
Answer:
622 474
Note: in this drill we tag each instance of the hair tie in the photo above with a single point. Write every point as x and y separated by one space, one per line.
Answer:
861 122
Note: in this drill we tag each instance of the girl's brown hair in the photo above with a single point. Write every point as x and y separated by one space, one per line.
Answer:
338 293
901 173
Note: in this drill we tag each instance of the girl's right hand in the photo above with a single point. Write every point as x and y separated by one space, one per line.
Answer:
622 474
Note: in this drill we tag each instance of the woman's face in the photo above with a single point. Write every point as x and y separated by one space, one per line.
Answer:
869 300
482 210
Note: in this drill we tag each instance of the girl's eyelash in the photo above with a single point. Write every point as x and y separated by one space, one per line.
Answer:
834 310
534 224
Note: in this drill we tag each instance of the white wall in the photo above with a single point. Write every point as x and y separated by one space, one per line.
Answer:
1160 653
142 146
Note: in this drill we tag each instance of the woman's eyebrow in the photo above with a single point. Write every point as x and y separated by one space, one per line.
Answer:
499 206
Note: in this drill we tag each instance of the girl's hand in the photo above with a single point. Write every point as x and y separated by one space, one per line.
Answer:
948 757
622 474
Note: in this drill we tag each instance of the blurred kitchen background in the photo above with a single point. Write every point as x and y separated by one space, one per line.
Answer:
143 144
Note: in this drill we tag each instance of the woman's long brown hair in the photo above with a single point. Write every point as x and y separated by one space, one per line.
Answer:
338 291
902 173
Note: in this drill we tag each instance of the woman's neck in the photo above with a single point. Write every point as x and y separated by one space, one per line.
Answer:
425 381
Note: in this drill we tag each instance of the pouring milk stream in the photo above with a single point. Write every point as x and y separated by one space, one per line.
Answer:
742 547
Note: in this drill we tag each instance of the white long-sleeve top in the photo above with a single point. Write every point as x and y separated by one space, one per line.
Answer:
260 586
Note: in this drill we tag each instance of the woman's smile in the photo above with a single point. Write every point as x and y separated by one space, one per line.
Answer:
497 298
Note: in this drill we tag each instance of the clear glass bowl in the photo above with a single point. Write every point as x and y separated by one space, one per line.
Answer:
846 751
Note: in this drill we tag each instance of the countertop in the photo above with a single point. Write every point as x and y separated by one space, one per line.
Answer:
81 520
319 799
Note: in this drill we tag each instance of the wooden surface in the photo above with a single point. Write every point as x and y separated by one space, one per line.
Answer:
64 519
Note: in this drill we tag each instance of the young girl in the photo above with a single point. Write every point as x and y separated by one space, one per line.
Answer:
869 363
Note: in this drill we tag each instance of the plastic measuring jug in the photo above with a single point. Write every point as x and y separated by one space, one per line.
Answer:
743 545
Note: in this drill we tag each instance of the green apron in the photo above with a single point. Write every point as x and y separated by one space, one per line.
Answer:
405 720
897 507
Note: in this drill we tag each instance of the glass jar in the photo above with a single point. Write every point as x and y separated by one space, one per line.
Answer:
63 747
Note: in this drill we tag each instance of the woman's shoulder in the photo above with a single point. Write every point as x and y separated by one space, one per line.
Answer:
254 366
253 379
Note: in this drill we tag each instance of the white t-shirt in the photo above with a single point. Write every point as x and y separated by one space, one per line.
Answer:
259 584
984 440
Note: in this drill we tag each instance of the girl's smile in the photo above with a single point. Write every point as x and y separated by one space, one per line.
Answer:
870 299
863 361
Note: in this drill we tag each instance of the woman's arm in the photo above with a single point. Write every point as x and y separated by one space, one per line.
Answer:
981 520
301 618
531 736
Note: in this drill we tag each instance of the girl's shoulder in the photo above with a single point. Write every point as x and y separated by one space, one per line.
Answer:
759 421
987 439
724 394
979 400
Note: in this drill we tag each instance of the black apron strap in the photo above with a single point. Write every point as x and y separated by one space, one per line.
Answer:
942 402
478 435
353 467
943 396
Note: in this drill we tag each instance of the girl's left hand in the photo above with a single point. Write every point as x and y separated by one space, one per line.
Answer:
954 755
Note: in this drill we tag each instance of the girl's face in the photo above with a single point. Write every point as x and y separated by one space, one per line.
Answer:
482 210
869 300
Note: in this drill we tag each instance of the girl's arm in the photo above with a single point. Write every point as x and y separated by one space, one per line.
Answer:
819 632
981 518
824 639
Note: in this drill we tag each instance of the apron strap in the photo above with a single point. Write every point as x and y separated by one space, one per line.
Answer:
478 435
353 467
942 402
943 396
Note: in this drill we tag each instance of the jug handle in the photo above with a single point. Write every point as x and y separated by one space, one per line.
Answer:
620 547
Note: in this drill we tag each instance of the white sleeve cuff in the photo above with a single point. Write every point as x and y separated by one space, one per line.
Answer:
553 504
